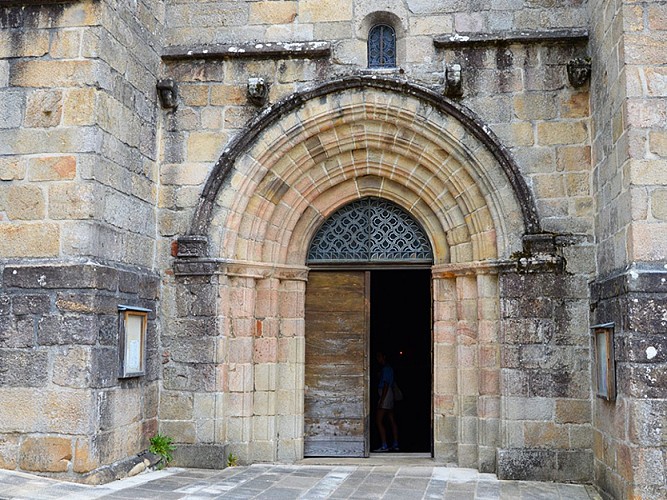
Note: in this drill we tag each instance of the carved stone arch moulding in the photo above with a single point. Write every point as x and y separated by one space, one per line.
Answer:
481 144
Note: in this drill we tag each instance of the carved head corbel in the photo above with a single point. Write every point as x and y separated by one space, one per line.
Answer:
579 71
453 80
258 91
167 91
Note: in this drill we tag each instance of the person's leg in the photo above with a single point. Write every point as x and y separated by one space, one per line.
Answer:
379 420
394 428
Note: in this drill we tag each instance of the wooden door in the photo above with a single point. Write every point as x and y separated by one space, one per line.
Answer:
336 393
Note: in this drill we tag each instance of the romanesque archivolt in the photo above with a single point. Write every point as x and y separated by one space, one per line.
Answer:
344 108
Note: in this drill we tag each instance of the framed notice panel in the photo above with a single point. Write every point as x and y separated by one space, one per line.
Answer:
132 345
605 366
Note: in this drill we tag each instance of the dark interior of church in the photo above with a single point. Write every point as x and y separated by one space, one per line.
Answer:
401 328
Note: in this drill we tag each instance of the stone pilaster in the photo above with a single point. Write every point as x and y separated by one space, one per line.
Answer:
545 377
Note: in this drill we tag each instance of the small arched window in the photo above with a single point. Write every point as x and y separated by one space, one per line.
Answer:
382 47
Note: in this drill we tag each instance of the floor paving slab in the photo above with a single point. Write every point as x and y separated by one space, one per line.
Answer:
341 479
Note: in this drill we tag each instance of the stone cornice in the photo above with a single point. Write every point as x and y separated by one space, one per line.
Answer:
246 50
637 277
472 40
523 265
21 3
242 269
470 268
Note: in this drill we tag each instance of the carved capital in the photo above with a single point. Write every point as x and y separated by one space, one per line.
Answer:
189 247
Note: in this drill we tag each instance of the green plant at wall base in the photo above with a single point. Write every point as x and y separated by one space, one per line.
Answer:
162 446
232 460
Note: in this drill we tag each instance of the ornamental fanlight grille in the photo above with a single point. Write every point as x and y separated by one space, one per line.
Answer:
370 230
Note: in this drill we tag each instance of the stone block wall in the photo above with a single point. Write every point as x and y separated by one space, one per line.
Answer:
78 131
191 401
640 126
546 431
610 138
628 117
63 408
95 177
630 434
78 172
346 21
519 89
537 114
628 111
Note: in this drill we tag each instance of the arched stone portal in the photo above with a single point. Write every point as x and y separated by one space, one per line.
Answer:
299 162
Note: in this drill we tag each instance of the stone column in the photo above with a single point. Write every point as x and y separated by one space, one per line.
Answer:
290 370
238 358
488 409
263 361
265 370
467 369
466 365
445 390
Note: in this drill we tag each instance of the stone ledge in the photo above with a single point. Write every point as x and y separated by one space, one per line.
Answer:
475 40
256 270
16 3
638 277
246 50
200 456
90 275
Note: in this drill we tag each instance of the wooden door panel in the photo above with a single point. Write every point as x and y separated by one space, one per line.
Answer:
339 408
313 427
336 402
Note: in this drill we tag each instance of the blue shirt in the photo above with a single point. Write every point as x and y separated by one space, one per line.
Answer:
386 377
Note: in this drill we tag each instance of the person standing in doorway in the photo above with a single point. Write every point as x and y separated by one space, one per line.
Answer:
386 404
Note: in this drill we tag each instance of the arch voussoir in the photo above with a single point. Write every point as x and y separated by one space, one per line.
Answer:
382 116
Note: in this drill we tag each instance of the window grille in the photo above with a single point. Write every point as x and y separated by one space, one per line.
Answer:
382 47
370 230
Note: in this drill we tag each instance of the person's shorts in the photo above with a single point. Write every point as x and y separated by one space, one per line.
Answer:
388 403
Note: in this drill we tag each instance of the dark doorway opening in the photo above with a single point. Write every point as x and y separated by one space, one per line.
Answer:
400 326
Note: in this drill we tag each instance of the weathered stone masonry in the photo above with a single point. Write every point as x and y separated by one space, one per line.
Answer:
78 151
62 407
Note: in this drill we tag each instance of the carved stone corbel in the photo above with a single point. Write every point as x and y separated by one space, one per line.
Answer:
579 71
167 91
258 91
453 80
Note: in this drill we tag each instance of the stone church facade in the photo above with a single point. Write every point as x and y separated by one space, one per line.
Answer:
178 158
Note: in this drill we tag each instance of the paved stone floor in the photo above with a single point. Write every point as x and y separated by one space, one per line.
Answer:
276 482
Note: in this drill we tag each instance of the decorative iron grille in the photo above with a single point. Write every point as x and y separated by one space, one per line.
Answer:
382 47
370 230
